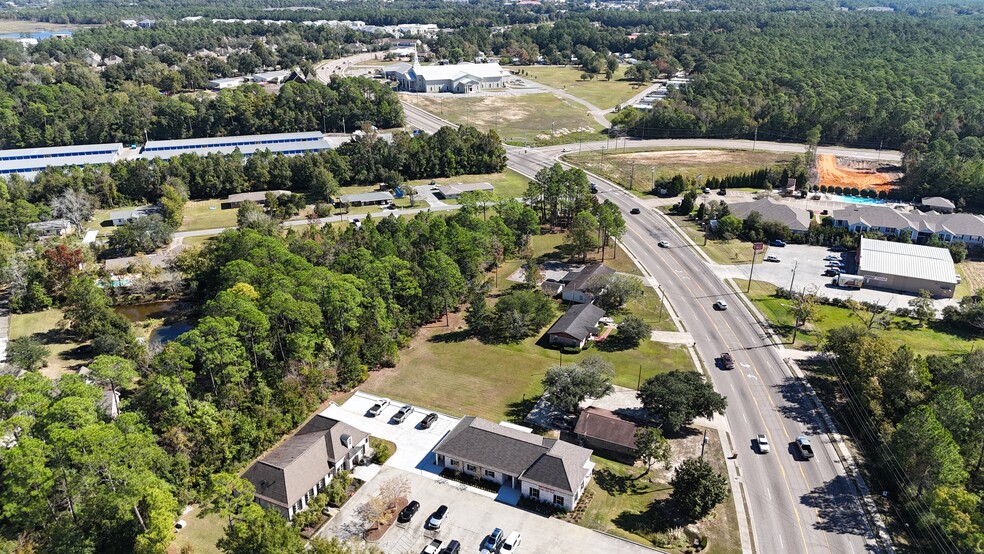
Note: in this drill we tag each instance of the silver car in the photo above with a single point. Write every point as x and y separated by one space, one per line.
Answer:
763 444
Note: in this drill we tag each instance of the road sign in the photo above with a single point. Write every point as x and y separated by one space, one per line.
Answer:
758 246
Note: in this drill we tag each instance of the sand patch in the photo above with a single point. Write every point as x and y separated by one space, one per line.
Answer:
853 174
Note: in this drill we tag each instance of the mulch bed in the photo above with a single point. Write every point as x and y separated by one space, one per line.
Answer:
376 533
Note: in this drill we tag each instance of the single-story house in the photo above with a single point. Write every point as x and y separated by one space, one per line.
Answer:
52 228
576 326
228 82
292 474
119 217
548 470
938 204
797 219
235 200
451 192
600 429
376 198
577 282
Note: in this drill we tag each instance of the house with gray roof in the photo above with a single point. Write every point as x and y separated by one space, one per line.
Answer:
938 204
576 326
51 228
451 192
119 217
959 227
236 200
577 283
797 219
548 470
294 472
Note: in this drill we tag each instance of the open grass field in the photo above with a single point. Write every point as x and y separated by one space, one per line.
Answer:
628 505
201 534
508 184
636 169
599 92
934 339
24 26
526 118
47 327
207 214
732 251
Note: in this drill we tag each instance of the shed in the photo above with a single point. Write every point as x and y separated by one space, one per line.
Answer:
600 429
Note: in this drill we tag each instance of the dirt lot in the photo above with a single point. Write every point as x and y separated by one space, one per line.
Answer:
848 173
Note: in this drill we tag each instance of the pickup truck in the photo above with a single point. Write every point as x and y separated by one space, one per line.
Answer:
433 548
805 449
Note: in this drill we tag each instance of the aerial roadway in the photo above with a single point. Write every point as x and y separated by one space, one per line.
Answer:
794 505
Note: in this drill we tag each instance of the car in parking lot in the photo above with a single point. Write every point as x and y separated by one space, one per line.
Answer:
771 258
402 414
727 360
453 547
512 542
378 407
428 420
831 272
723 192
720 305
437 518
778 243
707 190
493 541
635 211
837 248
407 513
763 444
832 258
664 244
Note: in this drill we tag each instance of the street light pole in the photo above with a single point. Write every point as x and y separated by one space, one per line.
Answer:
662 300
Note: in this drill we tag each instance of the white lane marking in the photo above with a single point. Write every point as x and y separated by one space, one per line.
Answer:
744 365
750 376
744 417
780 541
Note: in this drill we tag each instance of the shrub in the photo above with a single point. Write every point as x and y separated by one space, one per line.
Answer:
381 450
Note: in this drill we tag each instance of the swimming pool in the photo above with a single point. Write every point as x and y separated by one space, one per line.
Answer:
855 199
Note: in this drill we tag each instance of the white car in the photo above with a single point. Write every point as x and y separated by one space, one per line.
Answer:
763 444
664 244
771 258
377 408
720 305
512 542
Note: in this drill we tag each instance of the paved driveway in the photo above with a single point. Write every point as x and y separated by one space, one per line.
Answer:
471 517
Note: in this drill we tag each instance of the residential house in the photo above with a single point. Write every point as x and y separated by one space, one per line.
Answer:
797 219
453 192
548 470
577 283
147 23
376 198
959 227
235 200
52 228
578 324
292 474
938 204
602 430
112 60
119 217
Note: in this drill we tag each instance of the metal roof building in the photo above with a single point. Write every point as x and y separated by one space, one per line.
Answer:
907 267
28 162
283 143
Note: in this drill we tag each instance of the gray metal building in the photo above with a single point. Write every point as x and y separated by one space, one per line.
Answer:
907 267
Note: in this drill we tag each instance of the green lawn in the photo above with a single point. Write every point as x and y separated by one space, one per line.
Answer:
639 167
200 534
627 505
526 119
731 251
935 339
508 184
207 214
598 92
47 327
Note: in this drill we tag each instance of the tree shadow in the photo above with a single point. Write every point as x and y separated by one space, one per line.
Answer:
617 484
453 336
517 411
837 508
614 344
659 517
798 406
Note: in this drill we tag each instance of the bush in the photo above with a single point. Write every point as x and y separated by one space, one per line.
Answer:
520 314
633 330
381 450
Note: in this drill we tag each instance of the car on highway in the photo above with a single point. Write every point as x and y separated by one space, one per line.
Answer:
402 414
771 258
407 513
805 449
635 211
763 444
778 243
720 305
831 272
437 519
727 361
428 420
493 541
664 244
377 408
512 542
565 150
594 188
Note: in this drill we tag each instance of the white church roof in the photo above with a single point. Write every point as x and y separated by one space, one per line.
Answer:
457 71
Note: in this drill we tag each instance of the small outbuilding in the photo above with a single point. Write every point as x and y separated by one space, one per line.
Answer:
607 434
453 192
576 326
52 228
907 267
938 204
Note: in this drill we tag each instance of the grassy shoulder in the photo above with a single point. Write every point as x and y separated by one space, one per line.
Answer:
726 252
627 504
597 91
526 118
47 327
936 338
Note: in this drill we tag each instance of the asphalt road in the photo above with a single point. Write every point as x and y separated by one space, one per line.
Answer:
794 505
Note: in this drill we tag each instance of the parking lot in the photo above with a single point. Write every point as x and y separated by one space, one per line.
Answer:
810 264
471 517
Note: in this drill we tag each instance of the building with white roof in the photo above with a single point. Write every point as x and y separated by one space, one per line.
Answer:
907 267
228 82
283 143
28 162
458 78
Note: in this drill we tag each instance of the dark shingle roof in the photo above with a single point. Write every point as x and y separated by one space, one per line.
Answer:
797 219
579 321
602 424
588 274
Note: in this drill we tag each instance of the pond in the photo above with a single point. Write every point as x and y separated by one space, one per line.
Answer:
173 313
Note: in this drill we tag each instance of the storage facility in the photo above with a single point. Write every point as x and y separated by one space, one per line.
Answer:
284 143
907 267
28 162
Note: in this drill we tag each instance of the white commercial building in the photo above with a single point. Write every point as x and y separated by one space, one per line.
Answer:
458 78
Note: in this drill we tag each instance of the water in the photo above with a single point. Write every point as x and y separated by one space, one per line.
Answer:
39 35
855 199
172 329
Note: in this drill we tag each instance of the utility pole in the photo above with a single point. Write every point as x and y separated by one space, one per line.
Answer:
632 176
751 270
639 380
702 443
880 144
795 265
662 301
755 140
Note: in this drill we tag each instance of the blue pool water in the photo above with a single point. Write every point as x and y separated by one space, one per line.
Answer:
39 35
855 199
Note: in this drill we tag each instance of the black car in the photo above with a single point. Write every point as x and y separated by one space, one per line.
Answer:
428 420
831 273
727 360
837 249
453 547
723 192
406 514
635 211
